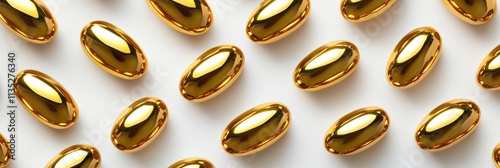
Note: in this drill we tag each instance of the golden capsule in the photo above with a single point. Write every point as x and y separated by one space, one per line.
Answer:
45 99
29 19
475 12
192 163
363 10
447 124
414 57
81 156
488 73
113 50
273 20
4 151
191 17
496 156
212 73
256 129
139 124
326 66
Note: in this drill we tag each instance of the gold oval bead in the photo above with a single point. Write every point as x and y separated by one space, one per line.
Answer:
363 10
81 156
256 129
29 19
139 124
447 124
326 66
4 151
496 156
475 12
113 50
414 57
193 17
488 73
45 99
357 131
212 73
273 20
192 163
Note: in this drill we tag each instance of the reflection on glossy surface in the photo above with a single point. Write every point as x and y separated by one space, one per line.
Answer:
474 12
414 57
212 73
362 10
275 19
4 151
192 17
256 129
357 131
447 124
28 19
113 50
76 156
139 124
45 99
192 163
326 66
488 74
496 156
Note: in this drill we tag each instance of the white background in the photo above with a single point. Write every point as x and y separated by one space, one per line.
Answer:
194 129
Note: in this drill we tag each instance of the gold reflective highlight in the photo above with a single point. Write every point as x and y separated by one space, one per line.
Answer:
192 163
81 156
496 156
4 151
475 12
488 73
363 10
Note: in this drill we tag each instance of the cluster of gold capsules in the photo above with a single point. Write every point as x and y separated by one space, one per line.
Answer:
114 51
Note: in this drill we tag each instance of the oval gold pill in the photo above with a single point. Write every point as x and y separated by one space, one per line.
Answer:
357 131
139 124
362 10
256 129
113 50
192 163
4 151
447 124
474 12
414 57
488 74
191 17
81 156
496 156
275 19
212 73
326 66
45 99
29 19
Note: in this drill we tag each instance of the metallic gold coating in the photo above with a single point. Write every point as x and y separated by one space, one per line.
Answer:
447 124
256 129
192 163
113 50
488 73
29 19
475 12
212 73
496 156
326 66
4 151
414 57
45 99
139 124
193 17
76 156
363 10
274 19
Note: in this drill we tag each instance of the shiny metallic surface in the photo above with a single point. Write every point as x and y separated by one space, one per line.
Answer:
488 73
447 124
139 124
192 163
274 19
475 12
4 151
212 73
363 10
496 156
256 129
414 57
45 99
326 66
113 50
76 156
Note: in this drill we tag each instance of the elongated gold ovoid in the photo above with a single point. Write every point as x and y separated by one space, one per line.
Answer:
475 12
496 156
81 156
4 151
363 10
488 73
192 163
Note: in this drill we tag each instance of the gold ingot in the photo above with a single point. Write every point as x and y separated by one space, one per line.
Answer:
326 66
363 10
193 17
45 99
275 19
113 50
488 74
192 163
4 151
29 19
474 12
212 73
139 124
357 131
414 57
447 124
256 129
81 156
496 156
